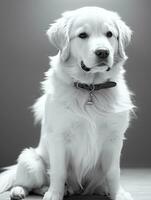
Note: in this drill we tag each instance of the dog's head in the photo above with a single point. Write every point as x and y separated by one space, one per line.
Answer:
91 39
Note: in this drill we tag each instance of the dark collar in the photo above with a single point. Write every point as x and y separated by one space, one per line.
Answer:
92 87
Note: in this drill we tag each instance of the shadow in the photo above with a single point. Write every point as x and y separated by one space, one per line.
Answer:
5 196
86 197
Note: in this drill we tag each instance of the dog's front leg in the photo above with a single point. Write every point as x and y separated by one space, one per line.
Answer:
57 171
110 161
111 167
54 128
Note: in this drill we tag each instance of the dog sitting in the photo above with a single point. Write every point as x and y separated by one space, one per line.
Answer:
84 111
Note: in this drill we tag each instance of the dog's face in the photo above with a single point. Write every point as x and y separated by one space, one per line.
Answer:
90 39
93 42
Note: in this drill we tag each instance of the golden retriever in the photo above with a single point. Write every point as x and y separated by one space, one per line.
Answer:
84 112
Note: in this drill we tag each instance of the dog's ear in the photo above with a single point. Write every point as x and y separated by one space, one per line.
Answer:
124 37
58 34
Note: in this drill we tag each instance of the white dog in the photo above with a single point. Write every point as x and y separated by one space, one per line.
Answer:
84 112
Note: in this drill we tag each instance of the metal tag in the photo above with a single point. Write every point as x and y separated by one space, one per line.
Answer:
90 99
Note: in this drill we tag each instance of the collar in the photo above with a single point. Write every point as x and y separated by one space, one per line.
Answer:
93 87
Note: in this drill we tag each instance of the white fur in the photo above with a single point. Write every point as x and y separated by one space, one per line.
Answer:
80 144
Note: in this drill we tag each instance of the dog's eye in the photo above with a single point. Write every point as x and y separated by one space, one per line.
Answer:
83 35
109 34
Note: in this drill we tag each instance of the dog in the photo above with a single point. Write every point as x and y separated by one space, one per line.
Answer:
84 112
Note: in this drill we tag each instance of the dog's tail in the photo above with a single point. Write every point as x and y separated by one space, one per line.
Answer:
7 178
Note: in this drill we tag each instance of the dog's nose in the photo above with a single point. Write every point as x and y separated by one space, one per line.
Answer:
102 53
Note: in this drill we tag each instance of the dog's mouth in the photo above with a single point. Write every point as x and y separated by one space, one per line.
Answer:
84 67
100 67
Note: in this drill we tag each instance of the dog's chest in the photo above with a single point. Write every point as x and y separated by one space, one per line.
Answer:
84 142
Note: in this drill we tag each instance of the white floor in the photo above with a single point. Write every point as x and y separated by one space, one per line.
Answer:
136 181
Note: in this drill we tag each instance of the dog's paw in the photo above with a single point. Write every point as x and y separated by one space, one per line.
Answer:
123 195
18 192
52 195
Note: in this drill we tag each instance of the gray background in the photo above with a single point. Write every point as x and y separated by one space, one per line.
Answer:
24 50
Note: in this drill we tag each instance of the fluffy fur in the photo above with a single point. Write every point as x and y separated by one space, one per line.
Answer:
80 144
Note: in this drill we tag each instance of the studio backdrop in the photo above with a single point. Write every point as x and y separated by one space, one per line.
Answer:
24 51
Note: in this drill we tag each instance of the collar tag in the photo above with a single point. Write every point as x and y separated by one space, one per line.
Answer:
90 99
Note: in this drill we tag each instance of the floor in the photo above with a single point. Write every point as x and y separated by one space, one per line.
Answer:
136 181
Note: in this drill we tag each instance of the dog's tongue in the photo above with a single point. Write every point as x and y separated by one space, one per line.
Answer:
100 69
